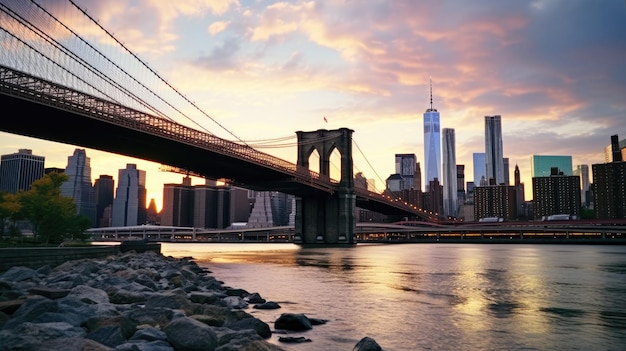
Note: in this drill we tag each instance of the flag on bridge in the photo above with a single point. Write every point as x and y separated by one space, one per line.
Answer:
325 120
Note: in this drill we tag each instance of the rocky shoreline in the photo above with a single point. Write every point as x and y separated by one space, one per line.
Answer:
136 302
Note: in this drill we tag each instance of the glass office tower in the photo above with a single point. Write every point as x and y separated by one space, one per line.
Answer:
450 196
78 186
479 168
494 155
129 205
432 144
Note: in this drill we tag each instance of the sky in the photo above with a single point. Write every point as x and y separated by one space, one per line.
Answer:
262 70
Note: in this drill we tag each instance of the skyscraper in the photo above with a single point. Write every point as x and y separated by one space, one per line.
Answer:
178 203
450 196
480 168
583 172
432 143
18 171
519 192
460 184
609 150
507 180
104 189
78 186
129 205
494 159
407 168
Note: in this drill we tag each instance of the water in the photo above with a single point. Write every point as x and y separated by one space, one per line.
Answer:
434 296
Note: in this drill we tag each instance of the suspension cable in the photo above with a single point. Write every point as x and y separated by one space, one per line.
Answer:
158 76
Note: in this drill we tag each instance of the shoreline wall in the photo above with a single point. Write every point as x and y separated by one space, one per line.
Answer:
36 257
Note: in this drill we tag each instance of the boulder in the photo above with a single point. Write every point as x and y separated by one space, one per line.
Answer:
367 344
293 321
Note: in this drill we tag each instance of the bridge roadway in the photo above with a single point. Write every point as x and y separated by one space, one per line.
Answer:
401 232
42 109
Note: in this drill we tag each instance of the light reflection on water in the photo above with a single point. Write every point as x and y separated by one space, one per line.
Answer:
434 297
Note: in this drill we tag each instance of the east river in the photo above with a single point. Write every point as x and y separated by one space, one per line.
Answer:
411 297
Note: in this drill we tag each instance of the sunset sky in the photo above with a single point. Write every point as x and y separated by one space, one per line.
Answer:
554 70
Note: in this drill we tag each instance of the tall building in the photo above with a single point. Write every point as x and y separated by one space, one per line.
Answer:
261 215
433 199
519 192
556 194
460 184
79 187
506 171
609 150
408 168
494 154
541 165
219 206
450 196
583 172
178 203
104 188
609 179
129 205
480 168
432 143
19 170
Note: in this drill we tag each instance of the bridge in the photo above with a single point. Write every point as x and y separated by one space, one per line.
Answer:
64 92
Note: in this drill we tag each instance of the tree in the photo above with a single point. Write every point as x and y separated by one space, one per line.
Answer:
52 216
10 209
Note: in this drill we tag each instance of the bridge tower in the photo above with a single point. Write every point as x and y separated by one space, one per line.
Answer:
326 219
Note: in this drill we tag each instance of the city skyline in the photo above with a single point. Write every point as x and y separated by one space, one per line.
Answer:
553 71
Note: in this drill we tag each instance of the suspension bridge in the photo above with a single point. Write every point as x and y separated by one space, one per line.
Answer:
73 82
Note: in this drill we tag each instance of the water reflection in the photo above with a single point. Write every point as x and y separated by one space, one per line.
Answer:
439 297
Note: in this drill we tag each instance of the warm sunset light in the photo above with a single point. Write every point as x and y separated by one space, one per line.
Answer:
553 70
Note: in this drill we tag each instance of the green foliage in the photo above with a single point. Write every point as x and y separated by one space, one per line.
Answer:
52 216
10 211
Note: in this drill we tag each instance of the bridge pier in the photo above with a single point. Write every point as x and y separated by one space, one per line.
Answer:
327 219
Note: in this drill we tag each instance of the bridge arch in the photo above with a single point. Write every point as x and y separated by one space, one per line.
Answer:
327 219
325 142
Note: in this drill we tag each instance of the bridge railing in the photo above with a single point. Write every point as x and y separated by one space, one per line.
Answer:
42 91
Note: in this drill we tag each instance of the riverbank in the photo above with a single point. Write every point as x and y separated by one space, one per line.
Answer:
134 301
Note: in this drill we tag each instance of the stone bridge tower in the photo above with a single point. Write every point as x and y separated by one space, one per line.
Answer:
327 219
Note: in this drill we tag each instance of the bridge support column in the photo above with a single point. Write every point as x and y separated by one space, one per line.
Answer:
327 218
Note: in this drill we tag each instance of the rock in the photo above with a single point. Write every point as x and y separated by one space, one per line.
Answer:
73 344
257 325
293 321
367 344
270 305
235 302
90 295
50 293
19 274
236 292
293 339
188 334
254 298
132 302
11 305
317 321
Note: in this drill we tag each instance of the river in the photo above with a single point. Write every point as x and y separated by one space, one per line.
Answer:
412 297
